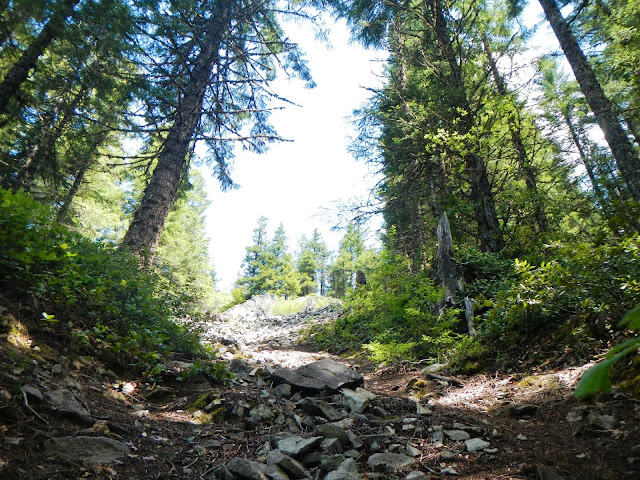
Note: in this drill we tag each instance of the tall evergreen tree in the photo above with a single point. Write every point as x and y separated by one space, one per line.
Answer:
626 158
220 76
19 71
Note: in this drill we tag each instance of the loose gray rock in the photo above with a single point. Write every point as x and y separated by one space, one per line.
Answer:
246 469
282 391
331 430
222 473
390 461
475 444
295 446
331 445
319 408
379 438
89 451
355 454
288 464
65 402
262 413
347 470
323 375
274 472
413 451
356 400
576 415
32 392
331 462
457 435
437 436
354 440
607 422
311 459
447 455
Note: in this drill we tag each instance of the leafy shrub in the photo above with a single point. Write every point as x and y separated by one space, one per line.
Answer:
394 318
485 273
594 285
113 307
596 379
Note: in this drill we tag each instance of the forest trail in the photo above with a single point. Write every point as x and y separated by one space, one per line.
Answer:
79 420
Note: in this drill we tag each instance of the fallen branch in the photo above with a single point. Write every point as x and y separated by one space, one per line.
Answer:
26 404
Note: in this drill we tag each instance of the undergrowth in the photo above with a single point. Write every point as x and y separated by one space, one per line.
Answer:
571 299
94 293
394 318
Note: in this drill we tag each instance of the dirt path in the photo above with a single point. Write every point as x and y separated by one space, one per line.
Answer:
529 426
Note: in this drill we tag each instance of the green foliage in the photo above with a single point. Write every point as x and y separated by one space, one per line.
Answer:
216 371
485 273
289 306
395 318
98 292
592 284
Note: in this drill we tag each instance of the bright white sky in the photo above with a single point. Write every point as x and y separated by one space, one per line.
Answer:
294 181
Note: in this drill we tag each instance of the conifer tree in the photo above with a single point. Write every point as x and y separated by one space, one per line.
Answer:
216 91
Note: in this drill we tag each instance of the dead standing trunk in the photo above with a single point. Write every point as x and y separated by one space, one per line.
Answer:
621 148
146 228
445 263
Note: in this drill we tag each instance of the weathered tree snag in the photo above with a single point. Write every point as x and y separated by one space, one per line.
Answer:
489 232
27 61
445 263
468 314
146 228
615 135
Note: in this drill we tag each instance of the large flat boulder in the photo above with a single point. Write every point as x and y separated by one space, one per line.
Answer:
323 375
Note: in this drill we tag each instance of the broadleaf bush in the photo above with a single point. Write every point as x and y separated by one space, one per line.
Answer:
593 286
394 317
111 305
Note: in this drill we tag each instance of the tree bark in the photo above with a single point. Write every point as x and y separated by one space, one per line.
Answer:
585 161
527 171
43 149
626 159
19 72
143 235
489 232
445 263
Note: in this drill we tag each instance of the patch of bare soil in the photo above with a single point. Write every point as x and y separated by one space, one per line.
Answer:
530 421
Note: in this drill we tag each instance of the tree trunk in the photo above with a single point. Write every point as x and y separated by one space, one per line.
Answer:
143 235
526 169
52 129
616 137
489 232
586 162
63 212
27 61
445 263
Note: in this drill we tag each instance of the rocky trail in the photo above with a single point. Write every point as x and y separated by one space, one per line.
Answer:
291 414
